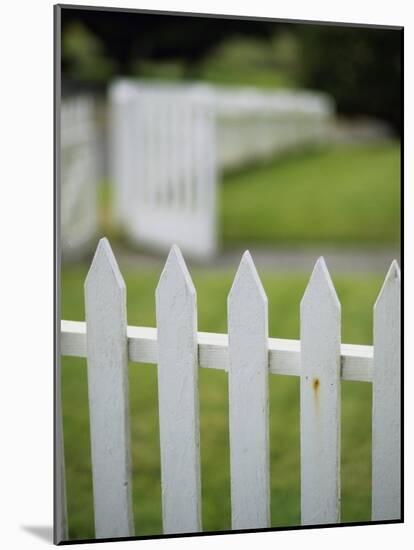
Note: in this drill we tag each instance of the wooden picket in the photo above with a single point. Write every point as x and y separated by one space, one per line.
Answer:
320 336
249 356
386 401
178 397
248 399
107 356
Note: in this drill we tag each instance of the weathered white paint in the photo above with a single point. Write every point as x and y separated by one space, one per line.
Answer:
107 357
386 401
178 397
248 399
320 333
283 355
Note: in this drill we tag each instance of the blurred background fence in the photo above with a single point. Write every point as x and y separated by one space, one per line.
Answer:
166 146
79 175
253 125
170 143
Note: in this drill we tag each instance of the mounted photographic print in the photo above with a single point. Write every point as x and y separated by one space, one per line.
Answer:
228 311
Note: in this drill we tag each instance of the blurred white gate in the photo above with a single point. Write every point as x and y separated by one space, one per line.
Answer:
164 166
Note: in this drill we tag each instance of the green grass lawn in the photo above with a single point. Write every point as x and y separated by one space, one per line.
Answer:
357 296
348 195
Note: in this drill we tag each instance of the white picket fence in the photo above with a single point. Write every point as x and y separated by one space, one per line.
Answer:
170 142
249 356
79 173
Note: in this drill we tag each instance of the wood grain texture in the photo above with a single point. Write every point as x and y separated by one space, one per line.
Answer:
386 401
284 355
320 315
107 358
178 397
248 399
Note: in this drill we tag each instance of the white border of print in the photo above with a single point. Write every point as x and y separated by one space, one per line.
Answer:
26 46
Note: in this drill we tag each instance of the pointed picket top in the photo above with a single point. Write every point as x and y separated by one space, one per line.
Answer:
248 399
386 400
320 399
107 359
392 282
104 268
320 291
247 283
177 372
175 275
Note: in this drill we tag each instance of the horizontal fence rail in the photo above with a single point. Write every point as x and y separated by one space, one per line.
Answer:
249 356
284 355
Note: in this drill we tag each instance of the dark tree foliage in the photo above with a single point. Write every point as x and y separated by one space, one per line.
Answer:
360 67
131 36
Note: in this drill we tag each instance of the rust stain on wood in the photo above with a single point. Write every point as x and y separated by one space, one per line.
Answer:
315 385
